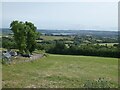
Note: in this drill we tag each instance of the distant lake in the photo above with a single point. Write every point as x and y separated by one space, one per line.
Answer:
63 33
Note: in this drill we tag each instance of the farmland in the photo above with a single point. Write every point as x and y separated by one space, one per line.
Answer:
59 45
54 37
109 44
68 70
59 71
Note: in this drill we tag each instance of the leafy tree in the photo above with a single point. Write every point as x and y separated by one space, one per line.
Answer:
32 35
24 35
19 35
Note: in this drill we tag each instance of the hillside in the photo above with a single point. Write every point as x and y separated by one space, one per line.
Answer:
60 71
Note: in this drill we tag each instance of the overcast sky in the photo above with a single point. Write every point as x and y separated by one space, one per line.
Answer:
63 15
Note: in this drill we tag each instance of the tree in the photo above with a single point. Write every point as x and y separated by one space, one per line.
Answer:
25 36
32 35
19 35
58 48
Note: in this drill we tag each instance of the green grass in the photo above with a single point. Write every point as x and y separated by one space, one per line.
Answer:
59 71
3 49
54 37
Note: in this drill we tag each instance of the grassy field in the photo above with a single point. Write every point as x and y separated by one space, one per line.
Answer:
54 37
59 71
108 44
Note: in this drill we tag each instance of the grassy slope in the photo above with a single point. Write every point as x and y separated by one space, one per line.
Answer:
60 71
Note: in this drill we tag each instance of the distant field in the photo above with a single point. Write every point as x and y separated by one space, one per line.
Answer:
59 71
54 37
109 44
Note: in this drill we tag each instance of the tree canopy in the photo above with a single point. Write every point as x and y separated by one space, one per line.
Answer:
25 36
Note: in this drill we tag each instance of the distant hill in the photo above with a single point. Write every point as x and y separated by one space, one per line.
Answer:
82 32
71 32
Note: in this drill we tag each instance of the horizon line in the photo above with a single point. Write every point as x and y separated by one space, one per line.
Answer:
73 29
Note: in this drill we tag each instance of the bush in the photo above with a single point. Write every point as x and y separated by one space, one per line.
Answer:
8 43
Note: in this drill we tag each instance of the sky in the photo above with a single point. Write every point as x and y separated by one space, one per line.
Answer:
63 15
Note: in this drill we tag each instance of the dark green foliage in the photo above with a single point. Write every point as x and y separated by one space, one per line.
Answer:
31 36
39 47
59 48
88 50
0 42
24 35
8 43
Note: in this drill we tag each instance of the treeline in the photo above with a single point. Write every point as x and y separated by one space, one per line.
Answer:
59 47
87 50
